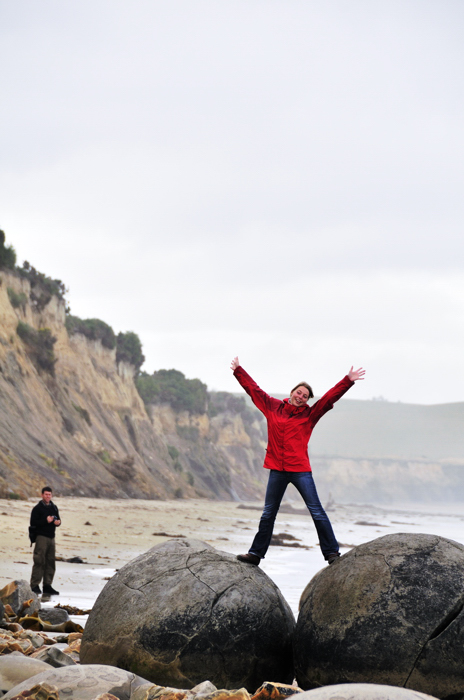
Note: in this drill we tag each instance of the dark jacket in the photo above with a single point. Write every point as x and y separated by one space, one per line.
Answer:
289 427
39 519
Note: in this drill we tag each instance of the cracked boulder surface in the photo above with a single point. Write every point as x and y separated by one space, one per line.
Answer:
390 612
184 612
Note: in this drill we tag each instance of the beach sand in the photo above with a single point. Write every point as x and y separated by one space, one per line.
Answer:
107 534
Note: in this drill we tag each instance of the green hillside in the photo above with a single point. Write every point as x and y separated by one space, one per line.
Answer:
379 429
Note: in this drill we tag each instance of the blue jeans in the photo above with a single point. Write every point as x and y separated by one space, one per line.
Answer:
276 487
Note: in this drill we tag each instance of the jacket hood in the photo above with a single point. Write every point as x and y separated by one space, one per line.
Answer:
295 409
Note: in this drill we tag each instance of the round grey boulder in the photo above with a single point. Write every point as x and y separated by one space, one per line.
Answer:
184 612
83 682
363 691
389 611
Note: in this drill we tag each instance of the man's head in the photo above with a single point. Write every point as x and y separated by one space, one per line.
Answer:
301 394
47 494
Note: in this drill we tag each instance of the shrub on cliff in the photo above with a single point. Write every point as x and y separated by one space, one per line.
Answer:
42 287
39 346
223 401
7 254
17 301
93 329
129 349
171 386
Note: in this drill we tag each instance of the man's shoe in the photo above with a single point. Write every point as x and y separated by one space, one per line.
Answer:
37 590
249 558
330 559
48 590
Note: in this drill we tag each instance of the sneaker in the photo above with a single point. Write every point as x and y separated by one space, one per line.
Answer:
37 590
48 590
249 558
330 559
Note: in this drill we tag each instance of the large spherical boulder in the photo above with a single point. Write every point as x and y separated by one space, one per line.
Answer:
184 612
362 691
390 611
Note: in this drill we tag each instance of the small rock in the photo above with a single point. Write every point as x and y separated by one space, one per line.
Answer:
147 691
73 636
13 627
55 657
205 688
41 691
8 612
275 691
16 594
240 694
170 694
54 616
37 640
75 646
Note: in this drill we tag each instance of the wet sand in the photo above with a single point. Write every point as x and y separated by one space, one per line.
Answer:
107 534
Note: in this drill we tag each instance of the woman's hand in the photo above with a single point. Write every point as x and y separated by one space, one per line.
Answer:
235 363
356 374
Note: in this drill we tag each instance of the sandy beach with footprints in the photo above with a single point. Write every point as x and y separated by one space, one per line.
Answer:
106 534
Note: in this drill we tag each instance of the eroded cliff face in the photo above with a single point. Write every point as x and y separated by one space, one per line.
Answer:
86 431
223 453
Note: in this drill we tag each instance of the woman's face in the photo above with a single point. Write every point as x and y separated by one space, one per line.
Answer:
299 396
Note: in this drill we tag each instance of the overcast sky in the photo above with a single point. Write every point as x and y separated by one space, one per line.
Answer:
277 179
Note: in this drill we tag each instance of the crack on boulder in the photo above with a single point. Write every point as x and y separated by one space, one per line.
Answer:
162 574
439 629
385 558
456 545
140 587
217 596
136 590
201 581
448 619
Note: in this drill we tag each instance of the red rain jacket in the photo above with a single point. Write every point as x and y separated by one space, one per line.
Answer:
289 427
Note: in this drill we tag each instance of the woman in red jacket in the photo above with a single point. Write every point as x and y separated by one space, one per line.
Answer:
290 423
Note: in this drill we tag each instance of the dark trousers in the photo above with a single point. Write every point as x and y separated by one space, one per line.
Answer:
276 487
44 561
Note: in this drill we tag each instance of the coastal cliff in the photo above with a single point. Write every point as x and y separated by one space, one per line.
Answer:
80 424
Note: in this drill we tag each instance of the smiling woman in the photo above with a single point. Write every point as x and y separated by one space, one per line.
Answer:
290 423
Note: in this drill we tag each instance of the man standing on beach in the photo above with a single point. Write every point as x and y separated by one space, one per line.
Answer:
45 518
